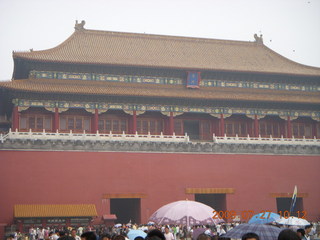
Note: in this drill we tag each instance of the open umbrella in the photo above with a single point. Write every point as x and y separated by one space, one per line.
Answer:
265 232
293 221
185 213
132 234
264 217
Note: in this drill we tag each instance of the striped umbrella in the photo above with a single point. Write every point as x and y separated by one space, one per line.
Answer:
265 232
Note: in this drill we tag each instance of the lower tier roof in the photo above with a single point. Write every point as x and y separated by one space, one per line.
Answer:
96 88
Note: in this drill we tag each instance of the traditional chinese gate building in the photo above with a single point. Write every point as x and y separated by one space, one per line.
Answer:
130 122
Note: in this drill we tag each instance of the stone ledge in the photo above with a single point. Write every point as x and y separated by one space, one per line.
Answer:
173 147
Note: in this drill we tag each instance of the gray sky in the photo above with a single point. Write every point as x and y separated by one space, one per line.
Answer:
289 27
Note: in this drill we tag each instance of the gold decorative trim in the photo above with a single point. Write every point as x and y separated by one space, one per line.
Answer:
226 115
288 195
90 110
130 112
166 113
210 190
50 109
140 112
283 117
20 109
217 115
60 110
124 195
316 119
102 111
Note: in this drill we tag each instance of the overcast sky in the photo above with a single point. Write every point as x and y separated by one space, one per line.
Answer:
289 27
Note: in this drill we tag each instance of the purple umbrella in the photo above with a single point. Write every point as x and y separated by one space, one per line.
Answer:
185 213
265 232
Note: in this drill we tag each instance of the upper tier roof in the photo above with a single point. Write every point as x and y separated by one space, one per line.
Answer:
159 51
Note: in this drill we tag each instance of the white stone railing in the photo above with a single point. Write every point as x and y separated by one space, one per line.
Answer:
264 140
70 136
91 136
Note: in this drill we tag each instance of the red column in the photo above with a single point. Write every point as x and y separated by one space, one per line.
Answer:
221 125
56 120
256 126
171 124
134 122
15 118
289 128
95 121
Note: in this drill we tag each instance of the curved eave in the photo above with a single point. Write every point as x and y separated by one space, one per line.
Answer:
95 88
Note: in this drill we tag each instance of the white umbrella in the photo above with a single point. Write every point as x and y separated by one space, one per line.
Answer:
185 213
292 221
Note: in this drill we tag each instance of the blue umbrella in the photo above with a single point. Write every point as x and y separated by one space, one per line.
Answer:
132 234
264 217
265 232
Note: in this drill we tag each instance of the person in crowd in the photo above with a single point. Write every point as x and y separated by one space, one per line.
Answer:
250 236
167 234
88 236
74 234
208 231
203 236
105 236
288 234
119 237
301 233
307 230
40 233
155 233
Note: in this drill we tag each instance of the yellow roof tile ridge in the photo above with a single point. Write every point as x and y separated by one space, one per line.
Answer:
166 37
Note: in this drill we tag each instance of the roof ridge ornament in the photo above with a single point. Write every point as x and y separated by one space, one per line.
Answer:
79 26
259 40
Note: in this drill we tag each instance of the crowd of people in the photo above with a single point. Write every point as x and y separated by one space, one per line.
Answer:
154 232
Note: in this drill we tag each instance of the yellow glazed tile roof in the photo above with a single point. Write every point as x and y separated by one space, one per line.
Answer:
54 210
157 90
160 51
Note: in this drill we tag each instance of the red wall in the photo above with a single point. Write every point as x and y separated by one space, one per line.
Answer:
40 177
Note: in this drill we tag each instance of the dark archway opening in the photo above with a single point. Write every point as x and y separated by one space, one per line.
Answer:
283 207
126 209
216 201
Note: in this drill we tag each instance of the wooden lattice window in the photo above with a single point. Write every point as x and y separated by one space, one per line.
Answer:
75 123
35 122
178 127
267 129
113 125
300 130
236 128
154 126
